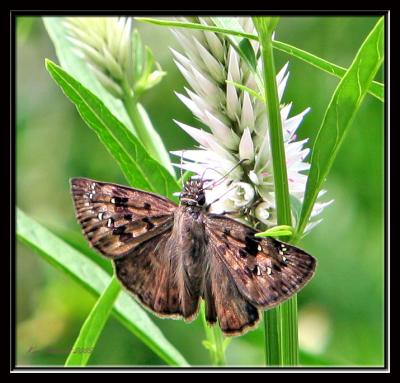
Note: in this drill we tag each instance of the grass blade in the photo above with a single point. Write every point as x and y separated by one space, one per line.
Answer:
141 170
93 326
339 115
188 25
93 278
376 88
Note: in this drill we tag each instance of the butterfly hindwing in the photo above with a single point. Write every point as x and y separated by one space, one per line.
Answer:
149 275
265 271
115 219
224 300
166 272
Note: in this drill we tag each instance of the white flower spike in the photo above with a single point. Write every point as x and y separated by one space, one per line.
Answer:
110 47
238 129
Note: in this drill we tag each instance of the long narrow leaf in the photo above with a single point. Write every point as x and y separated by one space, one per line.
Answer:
141 170
376 88
93 326
93 278
339 115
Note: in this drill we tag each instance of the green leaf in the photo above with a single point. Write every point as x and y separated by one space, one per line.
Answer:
93 278
340 114
75 239
277 231
141 170
78 68
93 326
376 89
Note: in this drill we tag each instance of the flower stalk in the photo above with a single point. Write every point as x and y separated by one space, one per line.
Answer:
281 328
132 107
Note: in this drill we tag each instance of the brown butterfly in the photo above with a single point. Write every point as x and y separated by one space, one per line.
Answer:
170 256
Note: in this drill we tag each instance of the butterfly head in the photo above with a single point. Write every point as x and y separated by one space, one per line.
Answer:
193 193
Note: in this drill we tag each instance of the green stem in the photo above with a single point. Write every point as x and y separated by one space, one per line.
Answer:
280 323
219 346
289 332
141 130
272 331
215 340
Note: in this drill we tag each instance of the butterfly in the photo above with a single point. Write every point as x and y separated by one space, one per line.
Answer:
171 256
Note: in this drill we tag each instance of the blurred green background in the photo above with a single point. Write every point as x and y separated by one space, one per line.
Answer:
341 319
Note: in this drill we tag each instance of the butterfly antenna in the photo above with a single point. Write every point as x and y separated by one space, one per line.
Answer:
204 173
223 194
217 182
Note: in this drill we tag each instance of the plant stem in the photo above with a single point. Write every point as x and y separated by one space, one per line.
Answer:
272 329
215 340
219 346
280 323
131 107
289 332
143 128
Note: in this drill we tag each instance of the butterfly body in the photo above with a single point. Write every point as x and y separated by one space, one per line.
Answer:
170 257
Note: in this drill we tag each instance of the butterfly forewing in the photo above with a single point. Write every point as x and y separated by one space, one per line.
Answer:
265 271
116 219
